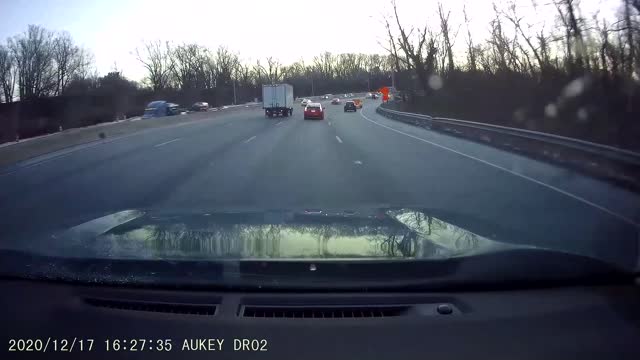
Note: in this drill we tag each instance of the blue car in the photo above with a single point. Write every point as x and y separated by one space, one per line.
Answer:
160 108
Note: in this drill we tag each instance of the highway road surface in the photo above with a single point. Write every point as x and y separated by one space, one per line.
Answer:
243 160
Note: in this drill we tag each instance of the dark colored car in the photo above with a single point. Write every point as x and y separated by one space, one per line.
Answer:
200 106
160 108
350 106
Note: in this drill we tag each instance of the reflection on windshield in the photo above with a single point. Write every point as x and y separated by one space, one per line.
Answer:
390 234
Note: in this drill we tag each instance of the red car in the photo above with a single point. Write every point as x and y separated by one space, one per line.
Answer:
314 111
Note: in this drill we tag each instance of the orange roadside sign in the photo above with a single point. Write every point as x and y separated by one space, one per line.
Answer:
385 93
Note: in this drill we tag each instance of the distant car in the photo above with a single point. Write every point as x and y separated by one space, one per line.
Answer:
358 103
335 101
314 111
160 108
374 96
200 106
369 95
350 106
305 102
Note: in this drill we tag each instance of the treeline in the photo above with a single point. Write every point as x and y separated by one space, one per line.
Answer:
575 75
219 76
40 63
49 83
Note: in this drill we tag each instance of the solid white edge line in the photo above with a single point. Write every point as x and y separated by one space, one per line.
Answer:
166 142
249 139
551 187
338 138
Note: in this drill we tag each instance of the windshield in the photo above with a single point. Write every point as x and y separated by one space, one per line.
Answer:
448 132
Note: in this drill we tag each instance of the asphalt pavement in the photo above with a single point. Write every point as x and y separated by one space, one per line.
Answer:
243 160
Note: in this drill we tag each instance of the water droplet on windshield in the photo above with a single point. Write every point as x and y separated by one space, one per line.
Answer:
551 110
583 115
435 82
519 115
574 88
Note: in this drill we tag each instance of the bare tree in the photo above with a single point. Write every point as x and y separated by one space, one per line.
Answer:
516 20
499 43
210 72
189 66
225 64
273 72
70 61
471 50
445 29
544 49
575 46
628 23
7 74
393 48
414 54
156 58
324 65
605 50
33 55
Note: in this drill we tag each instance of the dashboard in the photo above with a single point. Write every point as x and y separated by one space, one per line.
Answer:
68 321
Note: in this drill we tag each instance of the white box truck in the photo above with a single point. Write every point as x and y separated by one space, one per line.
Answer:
277 99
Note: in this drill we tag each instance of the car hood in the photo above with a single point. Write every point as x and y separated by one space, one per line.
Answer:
276 234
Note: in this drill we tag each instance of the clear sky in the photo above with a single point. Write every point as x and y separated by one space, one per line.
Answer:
287 30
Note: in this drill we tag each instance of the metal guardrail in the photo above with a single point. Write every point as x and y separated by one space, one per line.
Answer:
610 152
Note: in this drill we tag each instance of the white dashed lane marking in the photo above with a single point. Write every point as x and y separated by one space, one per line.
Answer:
167 142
